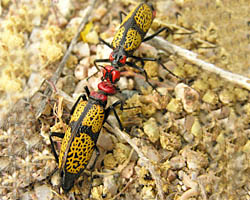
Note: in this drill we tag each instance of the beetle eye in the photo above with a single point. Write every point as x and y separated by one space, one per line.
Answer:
123 60
111 58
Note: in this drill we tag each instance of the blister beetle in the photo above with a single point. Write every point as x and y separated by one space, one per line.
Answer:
128 38
80 138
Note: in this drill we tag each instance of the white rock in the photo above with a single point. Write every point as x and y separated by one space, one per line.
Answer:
110 184
36 34
36 20
81 70
188 96
92 71
55 180
81 49
26 196
123 83
43 192
35 81
103 51
64 6
75 22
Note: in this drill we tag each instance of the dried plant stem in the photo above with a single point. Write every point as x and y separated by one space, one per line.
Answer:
194 188
124 189
59 70
147 162
193 58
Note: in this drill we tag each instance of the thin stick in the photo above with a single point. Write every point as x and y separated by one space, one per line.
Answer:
147 162
59 70
194 188
192 57
124 189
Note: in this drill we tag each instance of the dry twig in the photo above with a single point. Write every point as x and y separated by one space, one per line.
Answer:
193 58
59 70
124 189
147 162
194 188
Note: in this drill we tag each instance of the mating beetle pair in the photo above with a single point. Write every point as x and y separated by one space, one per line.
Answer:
89 115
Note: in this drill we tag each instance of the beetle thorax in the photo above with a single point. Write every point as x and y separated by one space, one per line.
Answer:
99 97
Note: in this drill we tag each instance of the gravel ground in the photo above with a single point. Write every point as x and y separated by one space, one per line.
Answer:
196 134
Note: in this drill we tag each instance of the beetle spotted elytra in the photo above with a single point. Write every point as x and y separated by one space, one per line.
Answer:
131 32
79 140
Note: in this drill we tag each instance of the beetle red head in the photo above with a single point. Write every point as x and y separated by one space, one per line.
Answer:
111 74
118 57
123 60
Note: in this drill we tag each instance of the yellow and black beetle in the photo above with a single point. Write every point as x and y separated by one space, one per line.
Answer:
130 35
79 140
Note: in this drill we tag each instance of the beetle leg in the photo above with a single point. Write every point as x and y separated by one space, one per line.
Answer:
133 65
96 66
157 33
115 113
138 59
131 107
112 107
155 60
163 66
120 15
106 43
87 91
100 60
60 135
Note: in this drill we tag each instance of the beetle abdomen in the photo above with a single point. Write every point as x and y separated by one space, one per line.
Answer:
133 28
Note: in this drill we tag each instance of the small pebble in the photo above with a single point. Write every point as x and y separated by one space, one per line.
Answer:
128 171
210 97
110 184
151 129
188 96
175 106
177 162
81 49
64 6
43 192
